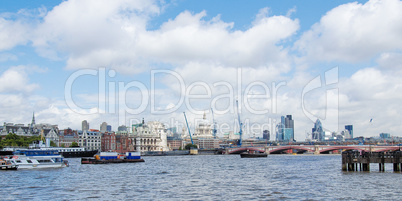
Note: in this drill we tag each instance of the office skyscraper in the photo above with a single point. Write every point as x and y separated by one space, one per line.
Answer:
103 127
85 125
265 135
317 131
285 129
350 129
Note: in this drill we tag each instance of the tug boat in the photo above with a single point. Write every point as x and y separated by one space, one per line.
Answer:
253 155
113 157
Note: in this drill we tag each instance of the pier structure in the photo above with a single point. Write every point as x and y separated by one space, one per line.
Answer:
360 160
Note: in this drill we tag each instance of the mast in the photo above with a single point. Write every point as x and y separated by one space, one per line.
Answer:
188 128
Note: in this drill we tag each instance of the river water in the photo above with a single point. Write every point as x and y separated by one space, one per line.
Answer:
208 177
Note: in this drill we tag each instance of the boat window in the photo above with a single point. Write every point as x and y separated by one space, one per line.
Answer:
18 161
29 161
44 161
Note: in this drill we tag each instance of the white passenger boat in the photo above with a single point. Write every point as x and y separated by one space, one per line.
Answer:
33 159
7 164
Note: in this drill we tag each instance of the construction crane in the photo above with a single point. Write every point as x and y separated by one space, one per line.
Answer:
213 121
240 124
188 128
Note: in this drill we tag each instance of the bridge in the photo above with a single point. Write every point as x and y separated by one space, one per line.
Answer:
316 149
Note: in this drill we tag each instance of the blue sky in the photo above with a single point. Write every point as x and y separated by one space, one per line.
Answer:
203 44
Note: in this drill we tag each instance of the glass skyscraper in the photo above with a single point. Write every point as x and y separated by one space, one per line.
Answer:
317 131
350 129
285 129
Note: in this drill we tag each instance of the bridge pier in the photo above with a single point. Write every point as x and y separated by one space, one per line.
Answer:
397 167
366 166
316 149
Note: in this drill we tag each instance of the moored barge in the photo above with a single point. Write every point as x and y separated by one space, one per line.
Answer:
113 157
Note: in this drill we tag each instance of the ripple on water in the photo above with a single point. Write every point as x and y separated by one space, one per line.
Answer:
203 178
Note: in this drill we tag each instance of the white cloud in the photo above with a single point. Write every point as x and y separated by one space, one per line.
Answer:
189 38
370 93
16 80
12 33
354 32
118 37
390 61
92 34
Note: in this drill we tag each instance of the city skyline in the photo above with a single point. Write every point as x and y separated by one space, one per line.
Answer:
121 61
284 131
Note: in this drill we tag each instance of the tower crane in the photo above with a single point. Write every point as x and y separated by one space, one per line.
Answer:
188 128
213 121
240 124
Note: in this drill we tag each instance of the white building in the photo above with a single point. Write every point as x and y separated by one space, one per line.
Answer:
52 135
203 129
90 140
150 137
346 134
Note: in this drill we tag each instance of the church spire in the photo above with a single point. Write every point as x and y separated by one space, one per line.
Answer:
33 119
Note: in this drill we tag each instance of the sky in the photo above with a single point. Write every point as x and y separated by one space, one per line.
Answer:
123 61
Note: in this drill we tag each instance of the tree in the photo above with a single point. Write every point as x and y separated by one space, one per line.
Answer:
53 144
189 146
14 140
74 144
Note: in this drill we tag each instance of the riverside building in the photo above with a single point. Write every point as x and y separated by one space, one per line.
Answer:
150 137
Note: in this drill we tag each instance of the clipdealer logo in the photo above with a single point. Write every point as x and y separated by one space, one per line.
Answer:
328 82
112 94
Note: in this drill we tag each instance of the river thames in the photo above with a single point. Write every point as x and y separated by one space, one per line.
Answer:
208 177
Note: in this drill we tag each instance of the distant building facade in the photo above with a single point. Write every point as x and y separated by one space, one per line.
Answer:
231 136
117 143
108 142
174 143
67 137
207 143
385 135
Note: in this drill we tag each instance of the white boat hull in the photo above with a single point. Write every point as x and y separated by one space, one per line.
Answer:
40 161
